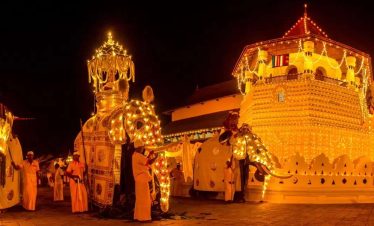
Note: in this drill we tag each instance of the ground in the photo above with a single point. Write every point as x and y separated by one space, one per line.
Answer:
199 212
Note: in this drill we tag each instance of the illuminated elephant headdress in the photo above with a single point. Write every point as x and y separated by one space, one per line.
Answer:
6 123
138 120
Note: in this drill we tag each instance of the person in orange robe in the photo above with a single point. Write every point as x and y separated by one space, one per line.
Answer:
30 168
79 201
140 170
58 188
229 182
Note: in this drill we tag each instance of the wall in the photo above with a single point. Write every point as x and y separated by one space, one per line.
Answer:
316 117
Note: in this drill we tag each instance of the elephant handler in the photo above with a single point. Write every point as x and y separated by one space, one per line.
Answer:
229 182
140 169
78 193
30 168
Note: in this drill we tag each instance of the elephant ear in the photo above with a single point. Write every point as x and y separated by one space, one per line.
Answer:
148 94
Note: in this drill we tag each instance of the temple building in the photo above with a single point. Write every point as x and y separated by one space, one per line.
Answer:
307 93
310 99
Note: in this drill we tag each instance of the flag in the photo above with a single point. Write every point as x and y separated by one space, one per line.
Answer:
280 60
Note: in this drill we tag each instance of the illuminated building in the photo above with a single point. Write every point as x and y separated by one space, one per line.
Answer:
309 99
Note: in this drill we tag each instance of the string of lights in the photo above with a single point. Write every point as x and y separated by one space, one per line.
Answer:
242 77
162 174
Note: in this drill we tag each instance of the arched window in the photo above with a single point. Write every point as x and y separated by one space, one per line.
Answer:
320 73
292 72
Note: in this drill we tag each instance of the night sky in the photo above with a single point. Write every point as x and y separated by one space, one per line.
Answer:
175 46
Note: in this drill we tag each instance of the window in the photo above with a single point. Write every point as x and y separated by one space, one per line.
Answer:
320 73
292 73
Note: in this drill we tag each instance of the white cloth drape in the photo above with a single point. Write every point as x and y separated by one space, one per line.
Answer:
187 152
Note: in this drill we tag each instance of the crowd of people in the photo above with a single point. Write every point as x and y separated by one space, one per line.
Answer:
141 162
75 171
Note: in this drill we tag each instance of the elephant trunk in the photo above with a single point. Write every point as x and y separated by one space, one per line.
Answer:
265 171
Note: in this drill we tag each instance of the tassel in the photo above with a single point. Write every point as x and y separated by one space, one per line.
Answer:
89 74
132 71
123 87
2 169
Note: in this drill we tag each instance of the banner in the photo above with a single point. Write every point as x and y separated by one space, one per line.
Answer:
280 60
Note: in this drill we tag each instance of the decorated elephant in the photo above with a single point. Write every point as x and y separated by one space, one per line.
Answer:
239 145
106 140
246 143
10 150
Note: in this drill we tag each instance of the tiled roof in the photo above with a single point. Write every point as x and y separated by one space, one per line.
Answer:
207 121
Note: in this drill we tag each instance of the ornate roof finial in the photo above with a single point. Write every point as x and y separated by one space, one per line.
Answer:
110 38
306 29
305 26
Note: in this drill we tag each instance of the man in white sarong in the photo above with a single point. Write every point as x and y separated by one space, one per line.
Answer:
140 169
79 201
229 182
29 167
58 188
178 180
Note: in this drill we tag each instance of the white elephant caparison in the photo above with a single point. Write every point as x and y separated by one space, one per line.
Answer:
210 160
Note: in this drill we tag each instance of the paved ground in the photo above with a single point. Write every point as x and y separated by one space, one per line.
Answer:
200 212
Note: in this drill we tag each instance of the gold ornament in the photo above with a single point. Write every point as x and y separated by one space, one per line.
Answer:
110 64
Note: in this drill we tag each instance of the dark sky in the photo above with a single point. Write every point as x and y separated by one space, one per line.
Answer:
175 46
